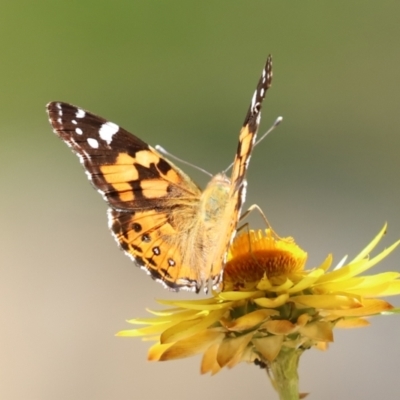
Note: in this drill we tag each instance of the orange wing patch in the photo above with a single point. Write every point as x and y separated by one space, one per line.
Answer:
122 170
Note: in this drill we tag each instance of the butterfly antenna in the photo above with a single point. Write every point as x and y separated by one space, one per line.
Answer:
166 153
274 125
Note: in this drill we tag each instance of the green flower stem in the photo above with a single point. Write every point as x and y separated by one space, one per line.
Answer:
283 373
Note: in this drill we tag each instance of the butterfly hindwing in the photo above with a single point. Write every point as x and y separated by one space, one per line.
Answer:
148 239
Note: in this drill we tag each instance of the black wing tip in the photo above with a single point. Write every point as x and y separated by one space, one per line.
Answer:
54 104
51 106
268 70
54 108
264 83
266 77
62 106
59 104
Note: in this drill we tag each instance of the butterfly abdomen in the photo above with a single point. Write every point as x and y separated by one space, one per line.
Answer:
214 199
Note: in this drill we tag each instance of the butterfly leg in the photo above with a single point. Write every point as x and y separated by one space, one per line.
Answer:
246 226
247 212
252 208
257 208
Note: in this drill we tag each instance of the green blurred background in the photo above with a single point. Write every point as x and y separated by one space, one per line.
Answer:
181 74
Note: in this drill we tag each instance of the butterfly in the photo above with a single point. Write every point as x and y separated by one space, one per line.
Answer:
159 217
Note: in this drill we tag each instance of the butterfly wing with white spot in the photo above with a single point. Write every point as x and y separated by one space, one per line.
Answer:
143 189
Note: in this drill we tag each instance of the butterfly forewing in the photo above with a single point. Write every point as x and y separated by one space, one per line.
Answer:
157 214
237 194
126 171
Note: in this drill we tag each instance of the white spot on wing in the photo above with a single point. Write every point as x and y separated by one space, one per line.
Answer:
70 144
74 122
78 131
110 221
81 160
243 192
80 113
60 113
108 130
253 100
88 174
93 143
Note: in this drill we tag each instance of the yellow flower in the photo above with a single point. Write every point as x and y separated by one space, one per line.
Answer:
269 304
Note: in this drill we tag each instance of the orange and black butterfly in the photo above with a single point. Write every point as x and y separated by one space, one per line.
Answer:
162 220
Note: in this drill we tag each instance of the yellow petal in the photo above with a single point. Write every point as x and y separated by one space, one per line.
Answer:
283 287
303 319
368 307
340 264
392 289
326 301
264 283
358 283
307 281
156 351
235 296
269 346
170 317
209 361
371 246
320 331
185 329
247 355
321 346
370 263
248 321
203 304
168 311
357 266
192 345
148 330
371 291
230 347
272 303
327 263
352 323
237 358
300 341
279 327
378 279
343 273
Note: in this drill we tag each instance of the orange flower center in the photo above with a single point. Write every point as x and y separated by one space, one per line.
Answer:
255 254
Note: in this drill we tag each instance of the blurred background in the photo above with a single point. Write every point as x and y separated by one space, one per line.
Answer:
181 74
